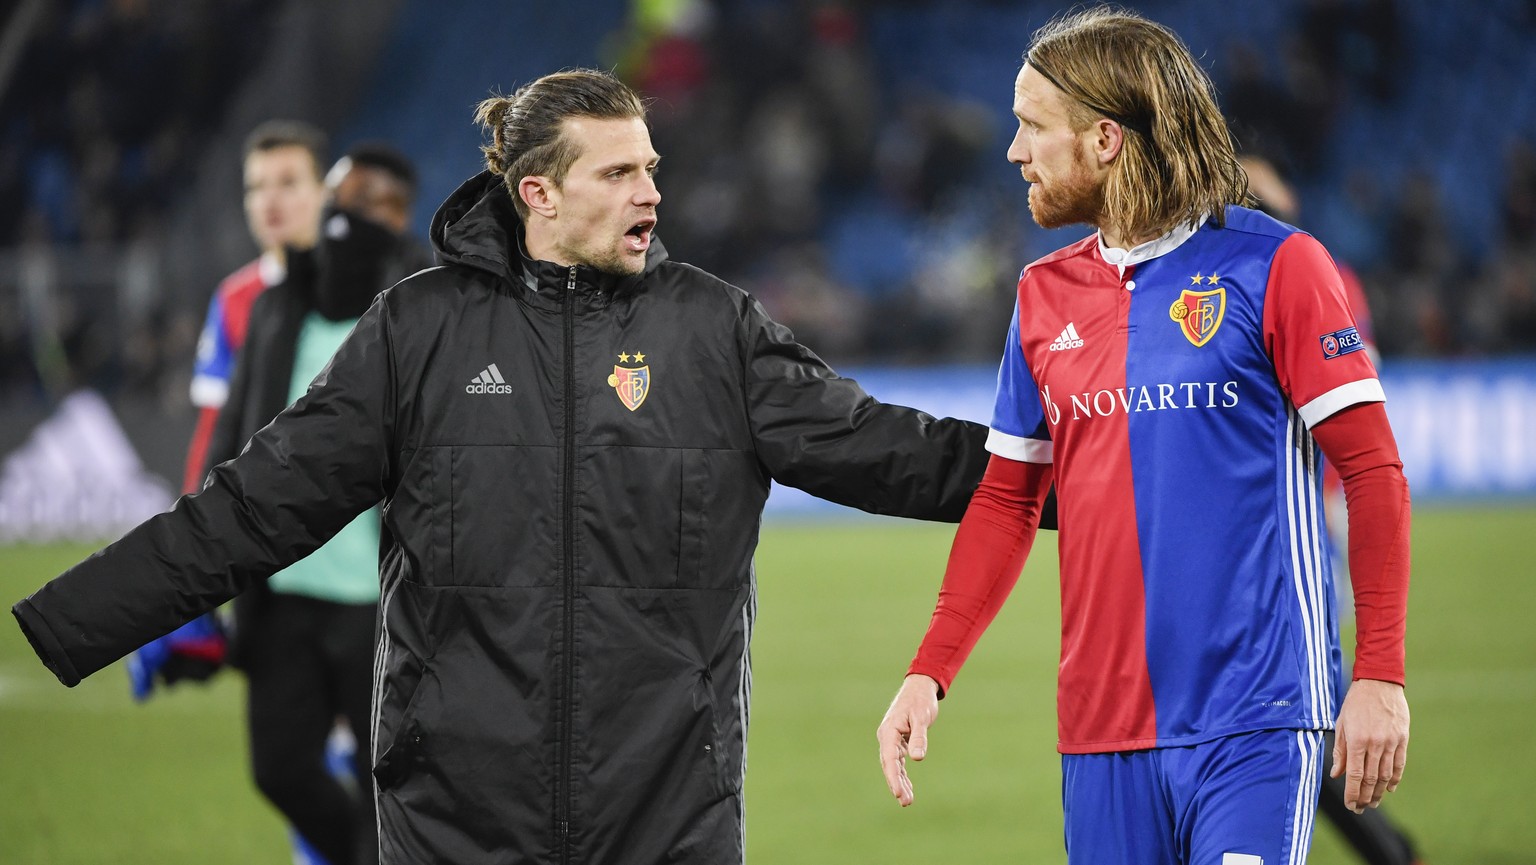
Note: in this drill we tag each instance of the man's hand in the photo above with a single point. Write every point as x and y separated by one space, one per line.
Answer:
904 732
1371 743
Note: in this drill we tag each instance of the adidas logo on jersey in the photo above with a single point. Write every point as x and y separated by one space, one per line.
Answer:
488 381
1068 339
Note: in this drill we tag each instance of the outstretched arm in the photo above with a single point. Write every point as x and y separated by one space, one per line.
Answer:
324 460
820 432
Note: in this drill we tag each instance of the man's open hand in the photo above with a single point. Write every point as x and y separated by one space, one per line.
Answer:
904 732
1371 742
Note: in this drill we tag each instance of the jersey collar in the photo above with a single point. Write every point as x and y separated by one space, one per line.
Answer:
1123 258
271 268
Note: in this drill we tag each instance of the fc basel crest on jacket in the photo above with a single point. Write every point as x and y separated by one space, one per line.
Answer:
631 383
1199 313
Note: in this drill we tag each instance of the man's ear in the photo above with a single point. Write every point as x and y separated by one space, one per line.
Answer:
1108 139
541 194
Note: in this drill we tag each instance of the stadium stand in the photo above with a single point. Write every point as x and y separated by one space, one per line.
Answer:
841 160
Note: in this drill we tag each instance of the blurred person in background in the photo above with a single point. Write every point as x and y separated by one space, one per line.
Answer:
284 191
1373 836
573 437
1175 374
304 638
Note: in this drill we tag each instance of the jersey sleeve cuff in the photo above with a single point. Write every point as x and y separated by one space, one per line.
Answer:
1018 448
209 392
1383 674
1336 400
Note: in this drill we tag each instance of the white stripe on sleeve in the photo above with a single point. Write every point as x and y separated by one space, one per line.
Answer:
1018 448
1340 398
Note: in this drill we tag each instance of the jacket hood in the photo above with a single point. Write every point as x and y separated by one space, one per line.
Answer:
478 227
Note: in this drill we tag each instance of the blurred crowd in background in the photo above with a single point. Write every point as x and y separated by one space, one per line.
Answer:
841 160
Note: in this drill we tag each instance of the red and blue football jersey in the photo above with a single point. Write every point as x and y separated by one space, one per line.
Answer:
223 333
1173 386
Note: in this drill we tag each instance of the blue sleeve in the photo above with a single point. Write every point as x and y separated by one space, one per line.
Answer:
215 359
1019 430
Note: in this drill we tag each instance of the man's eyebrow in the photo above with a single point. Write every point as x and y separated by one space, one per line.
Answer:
624 163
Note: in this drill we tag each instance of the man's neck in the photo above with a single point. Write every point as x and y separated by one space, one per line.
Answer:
1114 239
539 247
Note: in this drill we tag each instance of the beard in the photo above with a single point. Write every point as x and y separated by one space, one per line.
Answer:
618 263
612 260
1075 199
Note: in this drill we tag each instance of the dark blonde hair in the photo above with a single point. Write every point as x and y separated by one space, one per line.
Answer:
527 128
1178 163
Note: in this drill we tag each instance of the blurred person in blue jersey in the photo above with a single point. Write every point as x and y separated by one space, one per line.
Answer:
304 638
1176 374
572 437
283 170
1374 837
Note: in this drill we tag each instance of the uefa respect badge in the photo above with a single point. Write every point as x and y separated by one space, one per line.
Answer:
1341 342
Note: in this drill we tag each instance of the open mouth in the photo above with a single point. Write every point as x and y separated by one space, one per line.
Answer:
638 237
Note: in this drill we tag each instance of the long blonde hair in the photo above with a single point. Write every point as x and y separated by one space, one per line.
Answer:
1178 162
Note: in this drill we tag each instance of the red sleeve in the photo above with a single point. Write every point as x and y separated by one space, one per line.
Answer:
984 563
197 451
1311 336
1358 441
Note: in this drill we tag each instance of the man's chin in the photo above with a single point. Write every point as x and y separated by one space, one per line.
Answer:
1056 214
624 265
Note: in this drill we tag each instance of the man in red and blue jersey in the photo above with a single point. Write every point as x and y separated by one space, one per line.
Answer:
1176 374
284 192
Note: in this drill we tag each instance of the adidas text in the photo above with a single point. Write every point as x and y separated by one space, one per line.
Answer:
488 381
1068 339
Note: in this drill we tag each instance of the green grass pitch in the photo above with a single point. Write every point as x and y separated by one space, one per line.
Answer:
87 776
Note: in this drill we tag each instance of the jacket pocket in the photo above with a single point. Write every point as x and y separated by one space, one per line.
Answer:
720 506
406 748
718 756
501 508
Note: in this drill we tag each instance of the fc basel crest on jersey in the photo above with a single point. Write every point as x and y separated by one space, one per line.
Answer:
1199 313
631 383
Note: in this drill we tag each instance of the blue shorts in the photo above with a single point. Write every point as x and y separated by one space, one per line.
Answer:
1247 799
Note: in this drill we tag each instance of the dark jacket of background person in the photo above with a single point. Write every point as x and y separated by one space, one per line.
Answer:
568 592
339 279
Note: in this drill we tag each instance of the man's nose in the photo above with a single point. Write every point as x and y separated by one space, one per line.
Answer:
649 194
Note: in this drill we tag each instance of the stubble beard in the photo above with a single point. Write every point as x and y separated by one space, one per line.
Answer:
614 261
1077 199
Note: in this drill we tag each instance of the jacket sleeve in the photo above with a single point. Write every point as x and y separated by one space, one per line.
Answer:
821 433
321 462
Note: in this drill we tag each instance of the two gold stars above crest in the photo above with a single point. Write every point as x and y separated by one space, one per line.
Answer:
624 357
1209 280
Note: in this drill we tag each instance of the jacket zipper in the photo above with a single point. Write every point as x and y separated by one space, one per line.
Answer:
568 579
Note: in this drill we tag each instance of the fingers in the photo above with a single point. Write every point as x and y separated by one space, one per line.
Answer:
1372 769
893 748
904 732
1399 763
1384 775
917 740
1373 785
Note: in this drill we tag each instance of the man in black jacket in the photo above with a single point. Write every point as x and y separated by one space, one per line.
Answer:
572 437
304 638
